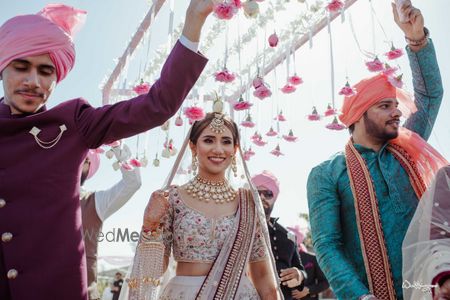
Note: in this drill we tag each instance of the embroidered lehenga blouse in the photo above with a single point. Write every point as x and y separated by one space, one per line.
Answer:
194 237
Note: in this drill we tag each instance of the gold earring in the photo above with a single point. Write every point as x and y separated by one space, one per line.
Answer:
234 165
194 164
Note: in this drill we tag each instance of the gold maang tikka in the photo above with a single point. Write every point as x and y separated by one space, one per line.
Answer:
217 124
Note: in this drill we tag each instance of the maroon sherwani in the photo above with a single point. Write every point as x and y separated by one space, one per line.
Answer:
40 217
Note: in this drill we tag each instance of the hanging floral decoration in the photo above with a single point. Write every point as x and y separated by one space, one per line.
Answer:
288 88
259 141
277 151
375 65
295 80
169 149
273 40
271 132
135 163
194 113
256 135
225 10
248 122
179 121
241 104
280 117
248 154
347 90
142 88
335 125
335 6
251 8
314 116
262 92
225 76
330 111
156 161
394 53
396 81
290 137
388 70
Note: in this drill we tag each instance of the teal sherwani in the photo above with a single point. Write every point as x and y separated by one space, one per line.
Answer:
330 199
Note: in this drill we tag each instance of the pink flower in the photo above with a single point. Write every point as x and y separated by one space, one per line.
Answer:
290 137
273 40
330 111
259 142
250 151
288 89
375 65
262 92
280 117
271 132
135 163
277 151
257 82
335 6
225 76
295 80
248 124
255 136
396 81
142 88
394 53
241 104
314 116
225 11
335 125
179 121
237 3
347 90
126 166
388 70
246 156
194 113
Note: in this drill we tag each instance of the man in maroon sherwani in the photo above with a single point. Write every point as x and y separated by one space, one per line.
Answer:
41 151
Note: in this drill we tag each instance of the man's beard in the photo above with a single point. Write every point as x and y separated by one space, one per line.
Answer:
375 131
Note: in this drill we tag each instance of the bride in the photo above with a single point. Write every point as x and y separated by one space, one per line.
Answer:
216 233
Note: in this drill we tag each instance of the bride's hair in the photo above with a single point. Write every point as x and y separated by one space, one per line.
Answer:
199 126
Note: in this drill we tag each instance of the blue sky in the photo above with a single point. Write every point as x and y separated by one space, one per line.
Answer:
110 25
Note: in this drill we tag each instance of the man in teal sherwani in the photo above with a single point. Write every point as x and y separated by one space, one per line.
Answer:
362 200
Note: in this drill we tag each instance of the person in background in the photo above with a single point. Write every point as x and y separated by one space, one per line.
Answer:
284 249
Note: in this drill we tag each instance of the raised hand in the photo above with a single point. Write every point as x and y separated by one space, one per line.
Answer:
156 209
196 15
413 29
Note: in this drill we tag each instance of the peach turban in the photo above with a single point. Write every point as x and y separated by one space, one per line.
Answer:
50 31
374 89
370 91
268 180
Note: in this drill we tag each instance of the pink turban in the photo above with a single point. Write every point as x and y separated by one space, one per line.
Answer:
370 91
50 31
94 159
300 237
268 180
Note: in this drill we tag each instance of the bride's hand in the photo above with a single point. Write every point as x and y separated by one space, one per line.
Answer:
156 209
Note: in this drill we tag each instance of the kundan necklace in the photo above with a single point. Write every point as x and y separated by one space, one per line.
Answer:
206 190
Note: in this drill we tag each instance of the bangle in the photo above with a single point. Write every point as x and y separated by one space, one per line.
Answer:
420 42
151 234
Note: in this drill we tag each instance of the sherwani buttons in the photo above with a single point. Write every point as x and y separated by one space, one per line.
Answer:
12 274
2 203
6 237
